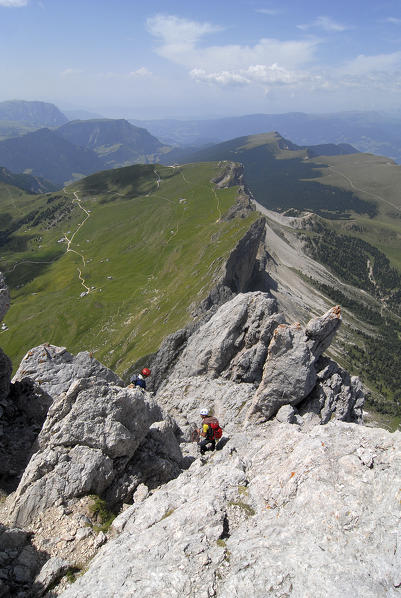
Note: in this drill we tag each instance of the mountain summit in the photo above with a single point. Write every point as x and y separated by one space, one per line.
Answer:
37 114
116 141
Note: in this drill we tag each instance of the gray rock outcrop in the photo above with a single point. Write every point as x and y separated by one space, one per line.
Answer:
336 394
278 513
289 374
44 374
238 521
244 363
233 343
232 174
54 369
90 434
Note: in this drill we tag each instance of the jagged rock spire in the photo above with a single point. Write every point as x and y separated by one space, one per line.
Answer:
290 374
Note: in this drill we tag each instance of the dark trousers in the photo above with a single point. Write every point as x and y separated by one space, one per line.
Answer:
204 443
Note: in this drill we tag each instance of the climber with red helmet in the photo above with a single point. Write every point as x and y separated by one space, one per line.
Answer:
139 379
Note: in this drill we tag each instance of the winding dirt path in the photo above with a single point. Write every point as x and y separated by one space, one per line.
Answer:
68 248
217 203
70 240
181 172
374 195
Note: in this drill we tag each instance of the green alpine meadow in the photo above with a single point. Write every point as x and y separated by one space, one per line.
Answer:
114 262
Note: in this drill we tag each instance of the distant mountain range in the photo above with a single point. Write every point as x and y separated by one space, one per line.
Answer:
371 132
115 141
111 143
45 153
79 148
36 114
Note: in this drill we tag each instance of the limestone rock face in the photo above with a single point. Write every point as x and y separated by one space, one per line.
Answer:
233 343
241 273
90 434
45 373
183 398
54 369
278 512
289 374
157 460
245 364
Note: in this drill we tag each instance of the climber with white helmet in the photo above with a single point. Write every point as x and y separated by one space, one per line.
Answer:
210 431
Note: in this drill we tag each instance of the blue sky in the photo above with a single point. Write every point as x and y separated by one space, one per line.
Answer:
200 59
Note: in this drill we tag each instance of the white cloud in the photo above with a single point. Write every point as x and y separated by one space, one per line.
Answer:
272 64
325 23
141 72
222 78
14 3
268 63
267 76
174 30
268 11
393 20
380 63
179 43
70 72
138 73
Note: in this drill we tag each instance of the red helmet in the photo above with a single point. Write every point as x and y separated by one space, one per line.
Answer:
145 372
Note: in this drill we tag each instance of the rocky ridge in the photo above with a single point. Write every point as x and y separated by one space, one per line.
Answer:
284 503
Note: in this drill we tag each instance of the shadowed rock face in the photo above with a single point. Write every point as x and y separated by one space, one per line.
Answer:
241 271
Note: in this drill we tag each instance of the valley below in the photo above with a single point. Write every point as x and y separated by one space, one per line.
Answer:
261 282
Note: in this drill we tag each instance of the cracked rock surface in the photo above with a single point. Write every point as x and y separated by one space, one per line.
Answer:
278 512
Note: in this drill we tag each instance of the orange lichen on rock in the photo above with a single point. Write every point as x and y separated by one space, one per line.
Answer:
279 327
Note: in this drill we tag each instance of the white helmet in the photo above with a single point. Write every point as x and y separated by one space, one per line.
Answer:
204 411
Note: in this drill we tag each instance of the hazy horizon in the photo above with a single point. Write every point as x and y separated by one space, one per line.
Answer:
179 60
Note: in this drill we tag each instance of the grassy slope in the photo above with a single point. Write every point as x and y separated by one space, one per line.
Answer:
359 195
161 246
371 178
